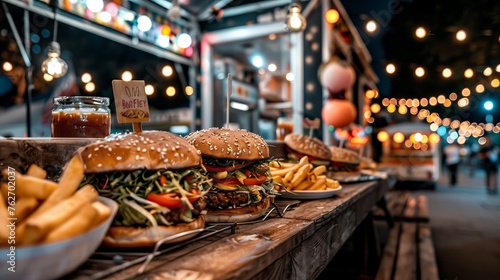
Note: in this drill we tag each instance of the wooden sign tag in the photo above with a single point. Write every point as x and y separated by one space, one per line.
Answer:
131 102
312 125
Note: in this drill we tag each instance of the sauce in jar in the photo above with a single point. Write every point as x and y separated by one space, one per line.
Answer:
81 116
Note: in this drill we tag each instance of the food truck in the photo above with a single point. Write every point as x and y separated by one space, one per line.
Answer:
411 150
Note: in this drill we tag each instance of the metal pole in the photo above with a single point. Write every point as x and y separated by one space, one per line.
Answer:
26 59
29 74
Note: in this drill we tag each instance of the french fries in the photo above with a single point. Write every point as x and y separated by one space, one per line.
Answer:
36 171
38 226
301 176
70 180
47 211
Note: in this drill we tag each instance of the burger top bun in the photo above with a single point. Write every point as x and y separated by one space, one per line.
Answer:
344 155
151 150
228 143
308 146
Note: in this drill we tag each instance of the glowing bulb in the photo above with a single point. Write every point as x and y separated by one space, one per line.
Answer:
127 76
149 90
495 83
272 67
420 32
184 40
54 65
446 72
144 23
479 88
167 71
332 16
488 71
383 136
371 26
7 66
419 72
90 87
104 17
295 21
95 6
257 61
86 77
398 137
461 35
390 68
375 108
189 90
468 73
289 76
170 91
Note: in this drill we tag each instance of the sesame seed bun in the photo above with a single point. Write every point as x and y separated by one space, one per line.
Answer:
228 143
308 146
151 150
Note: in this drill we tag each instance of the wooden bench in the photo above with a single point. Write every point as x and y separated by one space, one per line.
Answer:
409 252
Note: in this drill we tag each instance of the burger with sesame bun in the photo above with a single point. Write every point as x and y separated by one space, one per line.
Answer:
158 181
238 163
298 146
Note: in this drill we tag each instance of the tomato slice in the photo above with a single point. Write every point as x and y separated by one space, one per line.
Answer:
163 180
212 168
255 181
169 200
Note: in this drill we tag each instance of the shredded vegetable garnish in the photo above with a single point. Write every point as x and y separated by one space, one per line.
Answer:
130 190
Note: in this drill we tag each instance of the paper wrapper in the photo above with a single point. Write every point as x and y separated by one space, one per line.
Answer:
49 153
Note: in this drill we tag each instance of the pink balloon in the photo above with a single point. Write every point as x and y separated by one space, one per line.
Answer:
339 112
337 77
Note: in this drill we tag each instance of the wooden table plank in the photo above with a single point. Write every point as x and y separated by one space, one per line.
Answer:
389 255
407 254
428 266
297 246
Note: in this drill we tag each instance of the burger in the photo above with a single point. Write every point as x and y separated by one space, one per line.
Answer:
237 161
157 179
298 146
344 160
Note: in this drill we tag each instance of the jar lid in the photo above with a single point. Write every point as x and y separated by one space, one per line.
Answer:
81 100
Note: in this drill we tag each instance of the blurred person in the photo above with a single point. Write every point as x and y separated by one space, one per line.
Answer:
474 149
488 154
452 161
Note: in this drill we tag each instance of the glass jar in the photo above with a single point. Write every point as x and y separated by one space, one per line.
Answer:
284 126
81 116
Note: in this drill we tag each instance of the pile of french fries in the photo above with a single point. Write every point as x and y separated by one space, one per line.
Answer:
46 211
301 176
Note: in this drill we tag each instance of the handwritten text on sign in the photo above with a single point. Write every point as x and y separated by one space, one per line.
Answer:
131 101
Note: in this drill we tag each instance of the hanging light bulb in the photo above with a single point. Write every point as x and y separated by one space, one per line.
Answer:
175 11
295 21
54 65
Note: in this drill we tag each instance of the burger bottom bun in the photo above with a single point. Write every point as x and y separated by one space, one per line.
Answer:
238 215
123 236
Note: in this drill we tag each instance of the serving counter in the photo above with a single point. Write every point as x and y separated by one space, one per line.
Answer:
298 245
295 245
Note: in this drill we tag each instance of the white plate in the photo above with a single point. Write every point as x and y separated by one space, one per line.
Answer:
309 194
54 260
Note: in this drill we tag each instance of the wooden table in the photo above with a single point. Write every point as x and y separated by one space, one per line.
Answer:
297 246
